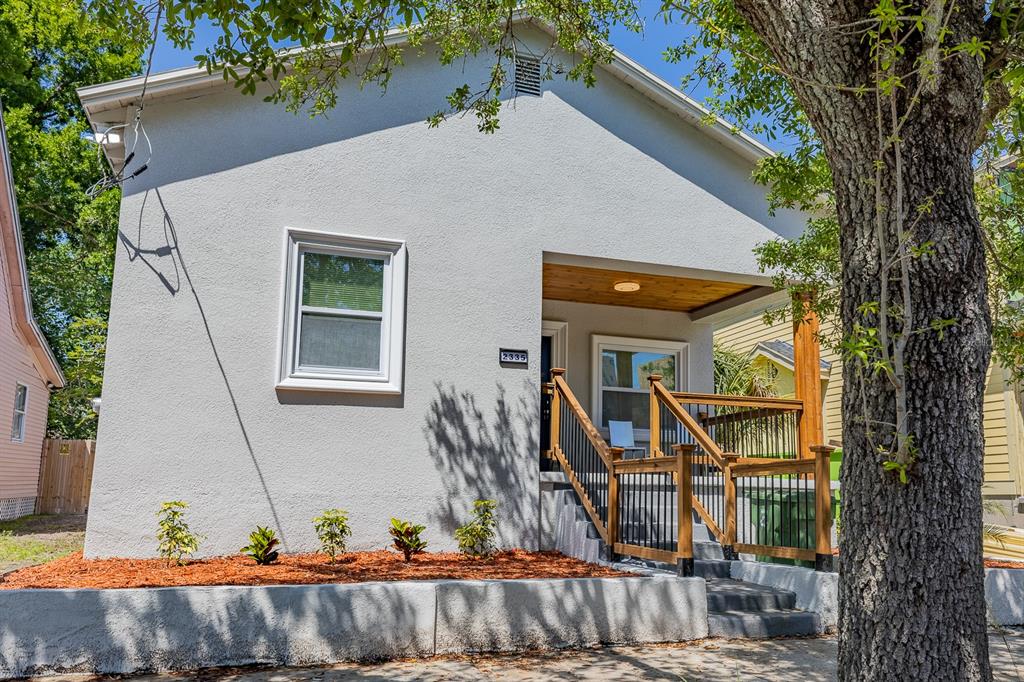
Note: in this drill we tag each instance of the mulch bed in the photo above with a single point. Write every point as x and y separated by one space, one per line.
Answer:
999 563
299 569
989 563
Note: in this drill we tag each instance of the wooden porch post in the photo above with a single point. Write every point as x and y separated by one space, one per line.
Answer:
684 508
807 376
613 502
822 508
556 410
655 417
730 501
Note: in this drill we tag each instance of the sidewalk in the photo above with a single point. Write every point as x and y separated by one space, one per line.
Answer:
804 660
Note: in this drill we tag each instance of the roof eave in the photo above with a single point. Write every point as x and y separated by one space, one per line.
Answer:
46 361
116 97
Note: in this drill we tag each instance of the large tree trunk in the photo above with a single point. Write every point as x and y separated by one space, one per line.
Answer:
911 578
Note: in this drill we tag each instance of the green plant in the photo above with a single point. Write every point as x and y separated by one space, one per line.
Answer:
476 538
407 538
176 541
736 373
262 542
332 528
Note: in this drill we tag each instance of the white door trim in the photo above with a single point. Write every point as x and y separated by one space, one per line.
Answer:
559 333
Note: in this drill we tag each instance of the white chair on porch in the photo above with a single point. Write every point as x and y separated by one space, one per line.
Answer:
621 436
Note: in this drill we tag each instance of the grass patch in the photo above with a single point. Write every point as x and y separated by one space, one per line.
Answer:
32 540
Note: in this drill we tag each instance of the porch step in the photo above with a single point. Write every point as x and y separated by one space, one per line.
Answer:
711 568
763 624
733 595
708 550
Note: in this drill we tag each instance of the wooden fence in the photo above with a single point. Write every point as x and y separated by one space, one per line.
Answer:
65 476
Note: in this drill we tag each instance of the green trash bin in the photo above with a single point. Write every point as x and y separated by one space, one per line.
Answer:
834 466
783 518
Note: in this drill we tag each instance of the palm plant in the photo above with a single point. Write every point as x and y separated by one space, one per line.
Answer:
737 374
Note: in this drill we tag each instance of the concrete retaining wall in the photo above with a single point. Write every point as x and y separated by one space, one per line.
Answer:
180 628
519 614
1004 592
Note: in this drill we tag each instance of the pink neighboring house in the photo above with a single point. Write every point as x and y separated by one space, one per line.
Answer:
28 369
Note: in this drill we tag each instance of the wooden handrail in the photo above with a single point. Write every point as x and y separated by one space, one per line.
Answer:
706 442
647 465
776 468
788 404
698 506
762 460
560 392
745 415
593 435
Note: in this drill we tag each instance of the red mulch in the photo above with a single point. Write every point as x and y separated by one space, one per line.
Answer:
299 569
999 563
989 563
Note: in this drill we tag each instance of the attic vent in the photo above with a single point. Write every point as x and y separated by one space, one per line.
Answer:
527 76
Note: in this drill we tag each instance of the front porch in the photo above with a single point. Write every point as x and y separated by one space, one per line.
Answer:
630 417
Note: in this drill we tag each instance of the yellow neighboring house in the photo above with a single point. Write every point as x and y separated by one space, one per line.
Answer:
1004 425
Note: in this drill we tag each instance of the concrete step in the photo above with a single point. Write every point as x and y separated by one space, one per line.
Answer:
762 624
707 550
711 568
733 595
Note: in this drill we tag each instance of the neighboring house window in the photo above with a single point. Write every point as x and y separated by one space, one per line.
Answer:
621 368
343 314
20 408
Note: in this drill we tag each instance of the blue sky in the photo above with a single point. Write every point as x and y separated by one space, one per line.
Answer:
646 49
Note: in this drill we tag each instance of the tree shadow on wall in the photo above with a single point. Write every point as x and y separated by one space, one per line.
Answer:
487 453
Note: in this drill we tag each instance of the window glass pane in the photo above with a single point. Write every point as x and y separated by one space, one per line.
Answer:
339 342
19 398
347 282
625 407
630 369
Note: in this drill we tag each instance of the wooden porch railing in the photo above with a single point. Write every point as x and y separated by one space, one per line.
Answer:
640 507
751 487
764 499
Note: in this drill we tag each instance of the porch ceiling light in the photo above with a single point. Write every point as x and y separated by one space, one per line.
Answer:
627 286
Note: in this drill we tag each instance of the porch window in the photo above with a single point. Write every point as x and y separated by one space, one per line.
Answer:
344 312
621 370
20 409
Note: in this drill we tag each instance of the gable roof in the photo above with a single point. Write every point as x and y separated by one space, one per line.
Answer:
13 252
109 104
782 353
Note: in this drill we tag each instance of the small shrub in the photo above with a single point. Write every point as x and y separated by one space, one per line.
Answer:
176 542
407 538
332 529
262 542
476 538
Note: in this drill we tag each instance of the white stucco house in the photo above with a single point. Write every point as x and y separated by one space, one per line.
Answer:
359 311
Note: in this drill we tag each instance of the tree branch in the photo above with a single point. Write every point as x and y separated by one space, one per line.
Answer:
997 98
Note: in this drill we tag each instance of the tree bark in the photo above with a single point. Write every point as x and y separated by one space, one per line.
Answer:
911 592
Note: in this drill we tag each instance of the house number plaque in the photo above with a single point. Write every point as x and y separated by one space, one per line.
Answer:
513 357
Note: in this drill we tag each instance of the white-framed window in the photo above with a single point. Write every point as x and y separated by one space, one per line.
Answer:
344 313
621 366
20 409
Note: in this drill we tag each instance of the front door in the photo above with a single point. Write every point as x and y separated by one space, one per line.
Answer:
545 399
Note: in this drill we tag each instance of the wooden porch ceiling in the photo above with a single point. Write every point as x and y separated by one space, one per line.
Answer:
660 292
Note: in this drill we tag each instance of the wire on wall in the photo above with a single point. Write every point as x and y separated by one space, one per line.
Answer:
120 175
